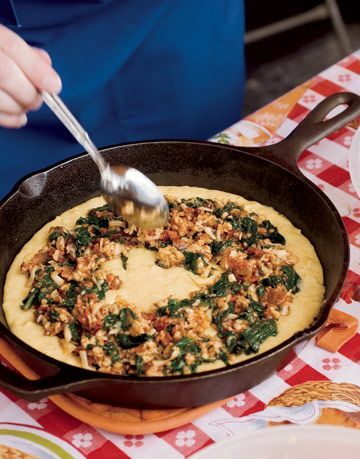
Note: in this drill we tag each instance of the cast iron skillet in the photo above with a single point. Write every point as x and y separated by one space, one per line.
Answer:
268 174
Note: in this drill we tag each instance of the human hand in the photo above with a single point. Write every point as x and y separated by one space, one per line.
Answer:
24 71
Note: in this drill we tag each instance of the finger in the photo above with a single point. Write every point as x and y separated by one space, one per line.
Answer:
12 121
39 72
15 83
43 54
9 105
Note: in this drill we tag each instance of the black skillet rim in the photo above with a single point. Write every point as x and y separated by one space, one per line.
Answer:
86 375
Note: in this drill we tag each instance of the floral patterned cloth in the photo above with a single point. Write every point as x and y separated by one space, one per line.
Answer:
335 377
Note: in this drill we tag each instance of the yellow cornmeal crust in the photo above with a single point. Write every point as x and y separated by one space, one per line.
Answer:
144 283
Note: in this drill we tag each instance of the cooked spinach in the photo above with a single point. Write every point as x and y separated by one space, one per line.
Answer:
254 312
194 365
164 244
128 341
272 281
177 365
110 321
44 283
276 238
257 334
218 246
53 315
194 203
173 307
224 357
70 297
140 367
260 290
257 307
58 231
103 208
75 332
220 287
54 236
30 299
70 263
272 233
126 317
49 270
191 261
249 226
291 278
94 221
223 286
111 350
205 299
83 237
227 208
124 260
187 345
231 341
100 292
250 340
218 319
150 247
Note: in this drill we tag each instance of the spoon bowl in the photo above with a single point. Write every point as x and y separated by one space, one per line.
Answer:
133 195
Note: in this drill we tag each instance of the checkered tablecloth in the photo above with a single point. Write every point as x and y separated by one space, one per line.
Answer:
326 164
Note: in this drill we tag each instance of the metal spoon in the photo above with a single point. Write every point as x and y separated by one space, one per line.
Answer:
133 196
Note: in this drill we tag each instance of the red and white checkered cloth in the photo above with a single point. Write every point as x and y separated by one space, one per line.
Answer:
326 164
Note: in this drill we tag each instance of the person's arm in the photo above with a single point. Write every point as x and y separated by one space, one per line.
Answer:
24 71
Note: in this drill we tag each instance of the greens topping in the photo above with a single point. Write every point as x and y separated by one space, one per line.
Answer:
126 341
69 282
250 340
75 332
289 278
140 367
111 350
192 260
124 260
173 307
123 320
224 286
30 299
218 246
99 290
186 346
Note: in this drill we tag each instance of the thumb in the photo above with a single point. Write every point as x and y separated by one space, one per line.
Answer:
36 68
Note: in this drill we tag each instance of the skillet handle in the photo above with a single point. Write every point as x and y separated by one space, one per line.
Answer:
64 380
313 128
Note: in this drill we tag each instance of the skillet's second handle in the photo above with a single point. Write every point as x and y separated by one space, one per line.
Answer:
314 127
36 389
67 379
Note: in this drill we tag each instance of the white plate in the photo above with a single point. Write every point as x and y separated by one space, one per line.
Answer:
289 442
36 442
354 162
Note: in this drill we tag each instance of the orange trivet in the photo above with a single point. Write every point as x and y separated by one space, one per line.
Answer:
124 421
338 329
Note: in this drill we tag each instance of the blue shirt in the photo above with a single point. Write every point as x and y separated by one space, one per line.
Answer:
131 70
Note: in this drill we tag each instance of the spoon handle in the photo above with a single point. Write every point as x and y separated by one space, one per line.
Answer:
58 107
